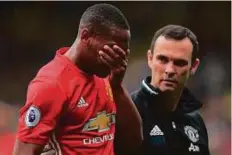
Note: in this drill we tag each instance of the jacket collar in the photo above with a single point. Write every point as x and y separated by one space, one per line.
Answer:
188 103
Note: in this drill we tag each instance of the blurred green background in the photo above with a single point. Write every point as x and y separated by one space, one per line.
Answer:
31 32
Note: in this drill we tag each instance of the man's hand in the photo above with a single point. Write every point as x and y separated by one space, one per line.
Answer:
117 59
129 123
48 150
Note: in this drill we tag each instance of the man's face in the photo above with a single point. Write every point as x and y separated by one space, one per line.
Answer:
170 63
114 37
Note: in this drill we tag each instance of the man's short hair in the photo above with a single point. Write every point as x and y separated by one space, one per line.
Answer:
104 16
177 32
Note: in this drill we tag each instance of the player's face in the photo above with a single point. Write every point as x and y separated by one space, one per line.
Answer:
114 37
170 63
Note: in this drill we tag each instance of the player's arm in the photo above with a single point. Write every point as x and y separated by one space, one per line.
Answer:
129 123
21 148
128 120
38 117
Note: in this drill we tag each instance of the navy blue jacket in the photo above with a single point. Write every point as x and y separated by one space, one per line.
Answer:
181 132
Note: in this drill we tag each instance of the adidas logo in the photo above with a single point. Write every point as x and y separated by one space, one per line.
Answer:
156 131
82 103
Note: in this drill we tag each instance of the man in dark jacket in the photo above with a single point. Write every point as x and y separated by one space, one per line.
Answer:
172 124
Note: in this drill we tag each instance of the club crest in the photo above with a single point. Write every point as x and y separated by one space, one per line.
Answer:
191 133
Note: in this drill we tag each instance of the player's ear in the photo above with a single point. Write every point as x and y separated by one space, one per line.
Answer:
195 66
85 34
149 58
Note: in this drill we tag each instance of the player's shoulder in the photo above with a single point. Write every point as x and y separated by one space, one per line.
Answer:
52 70
44 85
56 73
46 78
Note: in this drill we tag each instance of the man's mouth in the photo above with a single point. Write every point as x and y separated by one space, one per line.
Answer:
170 81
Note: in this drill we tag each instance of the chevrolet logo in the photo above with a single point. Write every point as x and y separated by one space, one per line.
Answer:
101 122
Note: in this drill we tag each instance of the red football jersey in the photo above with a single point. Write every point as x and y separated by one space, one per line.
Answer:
70 110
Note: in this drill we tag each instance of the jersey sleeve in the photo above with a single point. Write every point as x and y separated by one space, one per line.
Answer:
39 116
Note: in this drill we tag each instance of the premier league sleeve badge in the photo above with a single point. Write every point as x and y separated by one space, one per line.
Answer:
32 116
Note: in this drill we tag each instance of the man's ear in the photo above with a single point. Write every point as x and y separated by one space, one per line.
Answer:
195 66
85 34
149 58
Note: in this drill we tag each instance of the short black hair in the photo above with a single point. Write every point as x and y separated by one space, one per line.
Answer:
177 32
104 16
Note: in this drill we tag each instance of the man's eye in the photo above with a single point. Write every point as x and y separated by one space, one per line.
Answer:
180 63
162 59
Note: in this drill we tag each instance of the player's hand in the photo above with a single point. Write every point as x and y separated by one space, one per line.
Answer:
48 150
117 59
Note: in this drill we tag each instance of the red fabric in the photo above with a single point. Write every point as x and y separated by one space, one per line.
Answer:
77 112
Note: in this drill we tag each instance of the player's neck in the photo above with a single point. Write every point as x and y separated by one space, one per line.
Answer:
75 56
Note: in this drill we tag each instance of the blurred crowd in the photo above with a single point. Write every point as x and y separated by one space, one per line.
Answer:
31 32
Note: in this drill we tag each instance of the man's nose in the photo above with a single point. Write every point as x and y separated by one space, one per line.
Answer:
170 70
